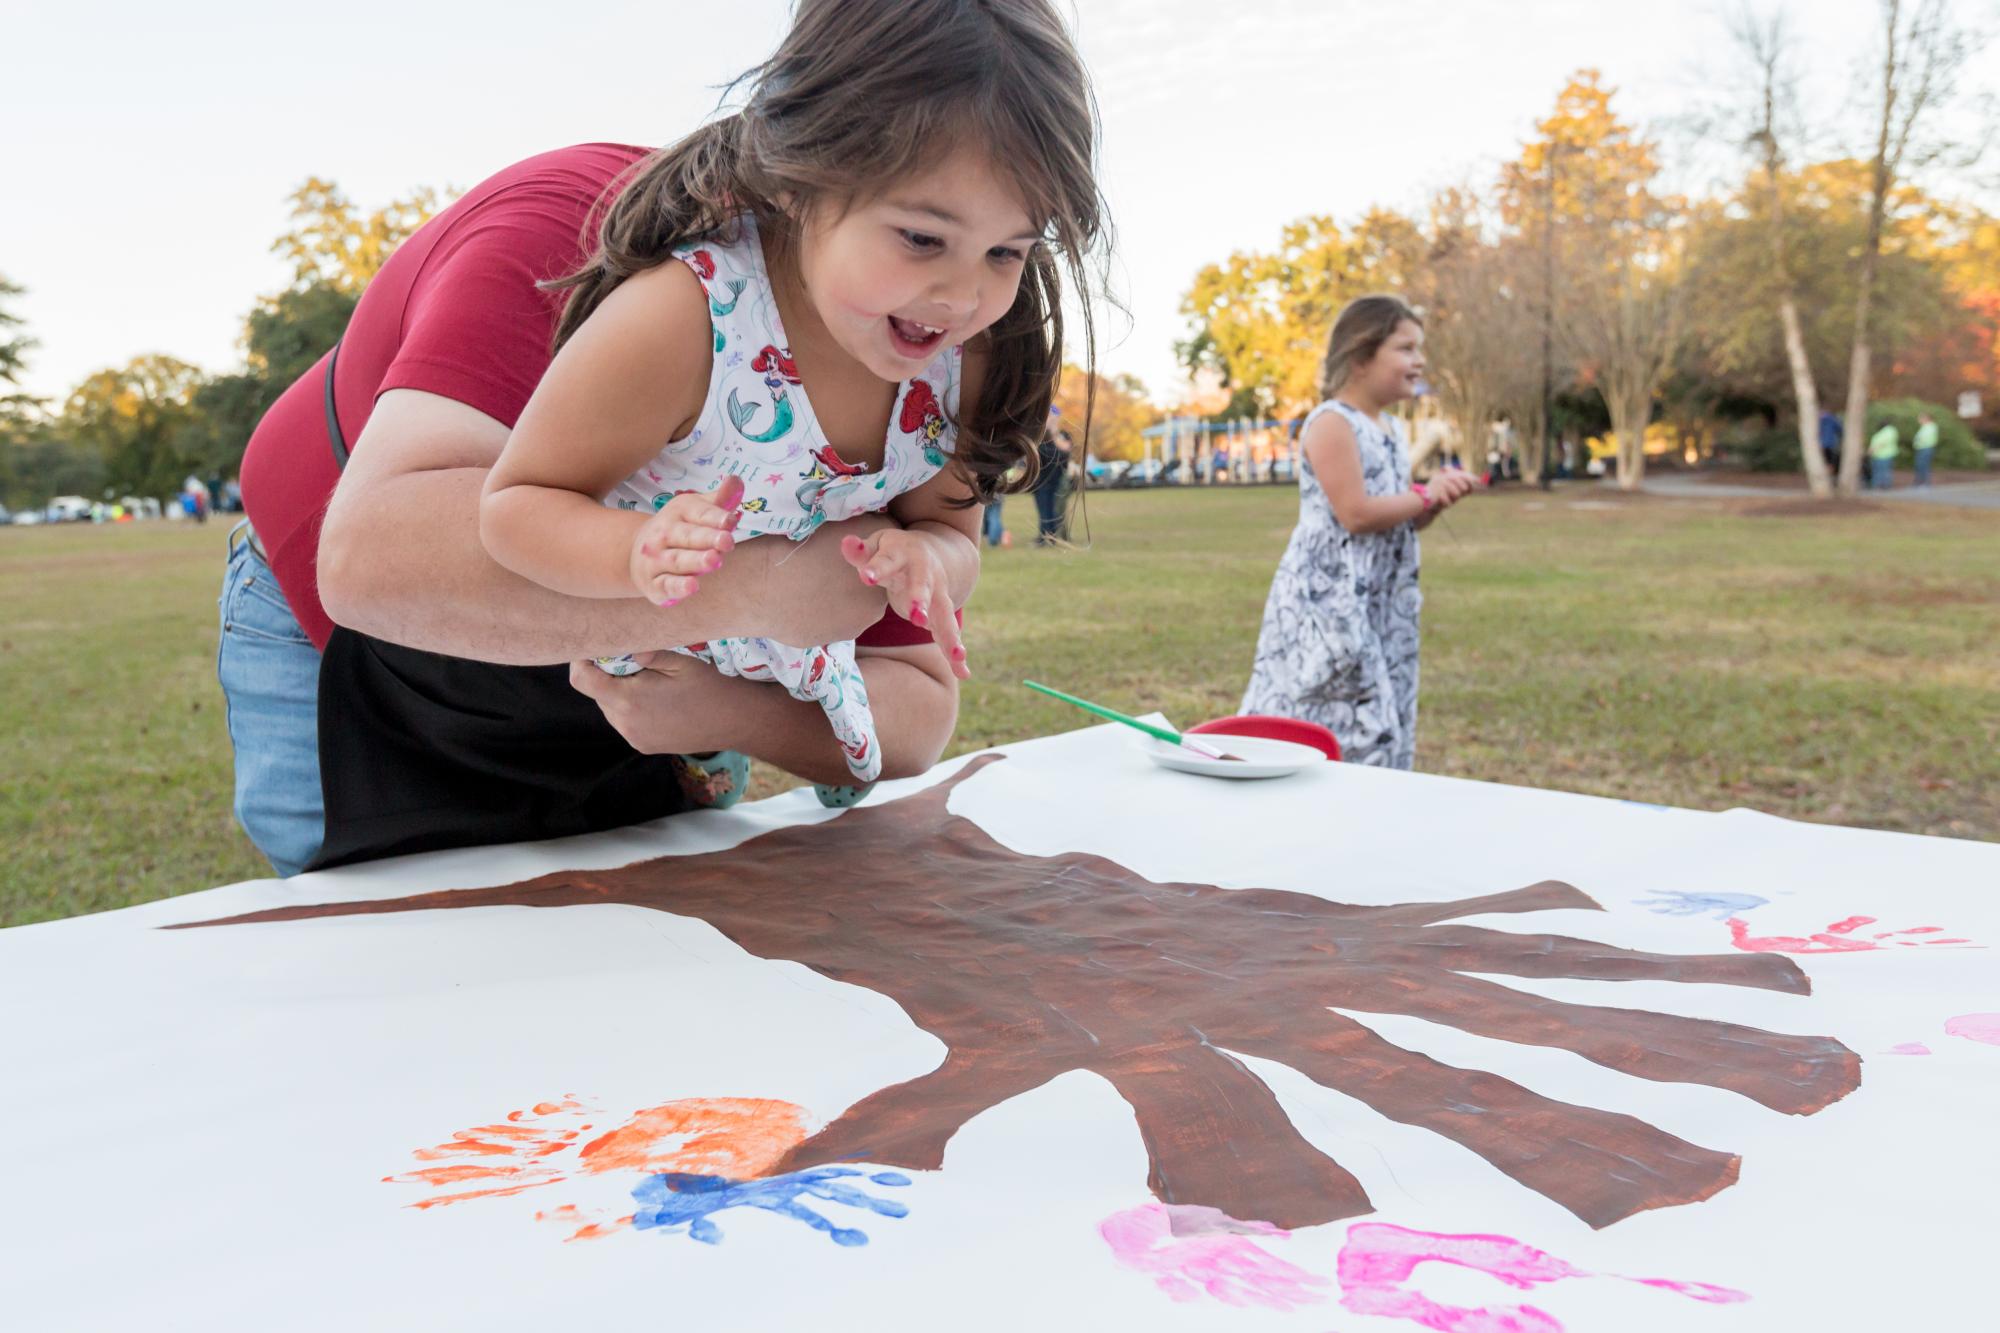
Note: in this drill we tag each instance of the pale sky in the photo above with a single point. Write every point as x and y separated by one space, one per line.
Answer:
150 147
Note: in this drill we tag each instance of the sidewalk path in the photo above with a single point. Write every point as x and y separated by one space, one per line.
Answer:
1963 495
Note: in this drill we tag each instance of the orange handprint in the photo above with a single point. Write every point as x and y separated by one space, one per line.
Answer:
736 1137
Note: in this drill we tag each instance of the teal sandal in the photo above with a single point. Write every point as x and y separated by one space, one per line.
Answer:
840 798
713 781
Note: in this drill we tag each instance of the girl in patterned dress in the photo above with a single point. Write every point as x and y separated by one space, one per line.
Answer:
1339 641
843 299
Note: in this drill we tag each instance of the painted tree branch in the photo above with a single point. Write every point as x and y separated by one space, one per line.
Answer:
1027 967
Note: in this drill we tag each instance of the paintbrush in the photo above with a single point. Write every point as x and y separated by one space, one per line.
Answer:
1167 734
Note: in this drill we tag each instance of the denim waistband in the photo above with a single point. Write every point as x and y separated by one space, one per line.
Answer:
250 538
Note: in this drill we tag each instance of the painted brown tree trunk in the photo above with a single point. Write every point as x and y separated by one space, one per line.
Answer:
1029 967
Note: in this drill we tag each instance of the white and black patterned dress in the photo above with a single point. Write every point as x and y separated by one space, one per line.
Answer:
1339 643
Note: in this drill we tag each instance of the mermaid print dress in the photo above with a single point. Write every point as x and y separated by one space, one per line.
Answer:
757 424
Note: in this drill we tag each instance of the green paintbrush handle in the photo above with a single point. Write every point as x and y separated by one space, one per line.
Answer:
1158 733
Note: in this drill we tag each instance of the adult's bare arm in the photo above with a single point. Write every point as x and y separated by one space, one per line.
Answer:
400 559
683 706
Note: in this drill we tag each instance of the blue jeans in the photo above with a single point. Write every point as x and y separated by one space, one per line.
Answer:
1879 472
995 529
1924 466
269 672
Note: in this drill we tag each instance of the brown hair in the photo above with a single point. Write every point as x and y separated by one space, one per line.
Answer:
859 94
1359 332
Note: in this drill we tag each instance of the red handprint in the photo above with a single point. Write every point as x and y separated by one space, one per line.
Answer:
1836 938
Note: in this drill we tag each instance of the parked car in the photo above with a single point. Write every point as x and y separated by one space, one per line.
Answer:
1143 473
68 509
6 515
27 518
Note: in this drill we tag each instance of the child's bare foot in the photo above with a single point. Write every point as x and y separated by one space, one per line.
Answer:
684 540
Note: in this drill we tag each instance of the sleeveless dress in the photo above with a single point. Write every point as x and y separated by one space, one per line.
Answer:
757 424
1339 640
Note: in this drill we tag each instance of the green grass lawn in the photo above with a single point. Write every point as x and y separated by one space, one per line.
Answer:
1825 663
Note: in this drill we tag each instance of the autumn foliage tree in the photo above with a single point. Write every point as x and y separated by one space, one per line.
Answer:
1260 320
1923 53
1479 293
132 419
1119 412
1586 192
1743 300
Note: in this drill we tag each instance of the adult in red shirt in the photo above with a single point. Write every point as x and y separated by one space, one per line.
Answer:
390 687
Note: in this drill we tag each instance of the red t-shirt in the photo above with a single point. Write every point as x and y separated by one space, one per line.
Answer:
455 312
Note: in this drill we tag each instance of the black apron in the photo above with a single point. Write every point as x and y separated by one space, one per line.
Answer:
419 751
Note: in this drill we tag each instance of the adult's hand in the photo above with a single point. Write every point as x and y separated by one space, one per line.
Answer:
400 559
679 705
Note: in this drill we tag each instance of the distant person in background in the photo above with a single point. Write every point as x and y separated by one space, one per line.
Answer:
1830 434
995 530
195 501
1882 447
1051 480
1339 641
1926 445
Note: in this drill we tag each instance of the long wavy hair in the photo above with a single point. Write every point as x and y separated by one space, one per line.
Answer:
860 94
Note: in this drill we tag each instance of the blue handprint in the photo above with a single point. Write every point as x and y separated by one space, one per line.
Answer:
671 1200
1722 905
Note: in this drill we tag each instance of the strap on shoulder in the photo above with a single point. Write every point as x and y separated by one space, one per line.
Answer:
333 413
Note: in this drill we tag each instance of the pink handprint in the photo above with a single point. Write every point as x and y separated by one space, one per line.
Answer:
1836 938
1189 1249
1975 1027
1378 1260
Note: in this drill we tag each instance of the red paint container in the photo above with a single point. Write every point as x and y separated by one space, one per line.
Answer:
1266 727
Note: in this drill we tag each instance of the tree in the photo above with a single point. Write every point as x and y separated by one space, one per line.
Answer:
331 245
34 464
1261 320
1923 52
335 252
1120 412
1585 192
1961 351
1735 287
14 349
1477 293
1767 45
134 421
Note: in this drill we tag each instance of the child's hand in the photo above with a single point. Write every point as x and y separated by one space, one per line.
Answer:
1450 485
685 539
905 565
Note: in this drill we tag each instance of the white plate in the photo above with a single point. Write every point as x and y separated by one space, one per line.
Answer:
1261 758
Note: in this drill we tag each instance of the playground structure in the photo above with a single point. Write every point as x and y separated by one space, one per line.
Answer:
1194 450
